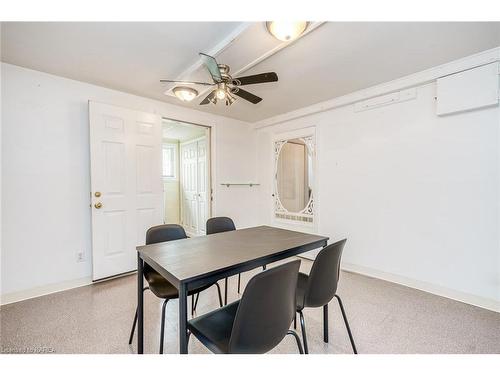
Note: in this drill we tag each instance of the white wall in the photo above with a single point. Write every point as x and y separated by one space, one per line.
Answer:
46 177
416 195
172 201
171 191
240 161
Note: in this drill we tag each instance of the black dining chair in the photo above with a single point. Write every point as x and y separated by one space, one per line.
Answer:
219 225
257 322
158 284
320 287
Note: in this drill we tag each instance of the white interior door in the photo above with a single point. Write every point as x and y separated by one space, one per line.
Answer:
189 187
195 185
202 185
125 153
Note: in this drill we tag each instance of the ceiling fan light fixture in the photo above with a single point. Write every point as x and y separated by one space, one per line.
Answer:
213 99
286 31
230 99
184 93
220 93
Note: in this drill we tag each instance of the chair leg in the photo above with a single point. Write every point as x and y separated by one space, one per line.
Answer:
196 301
192 304
325 323
295 321
188 337
346 324
239 282
297 339
135 322
220 294
162 329
133 329
304 337
225 291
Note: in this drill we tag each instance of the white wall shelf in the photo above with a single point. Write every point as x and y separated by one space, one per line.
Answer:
228 184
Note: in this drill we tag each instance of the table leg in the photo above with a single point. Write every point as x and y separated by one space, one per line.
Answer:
140 305
183 319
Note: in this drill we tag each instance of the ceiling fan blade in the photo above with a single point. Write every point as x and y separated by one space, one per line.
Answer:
208 98
247 96
186 82
256 78
212 66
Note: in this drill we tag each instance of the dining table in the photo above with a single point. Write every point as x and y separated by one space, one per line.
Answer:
197 261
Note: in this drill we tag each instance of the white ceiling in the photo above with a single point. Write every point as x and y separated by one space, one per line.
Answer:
333 60
127 56
181 131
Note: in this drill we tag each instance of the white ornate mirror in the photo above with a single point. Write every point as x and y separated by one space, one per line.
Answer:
294 179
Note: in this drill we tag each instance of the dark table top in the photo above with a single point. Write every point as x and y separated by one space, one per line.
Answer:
191 258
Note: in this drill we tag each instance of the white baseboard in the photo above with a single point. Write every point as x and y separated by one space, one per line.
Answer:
470 299
7 298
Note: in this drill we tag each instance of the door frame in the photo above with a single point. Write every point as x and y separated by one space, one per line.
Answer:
210 162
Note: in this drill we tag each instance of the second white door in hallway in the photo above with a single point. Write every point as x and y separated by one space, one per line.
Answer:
194 185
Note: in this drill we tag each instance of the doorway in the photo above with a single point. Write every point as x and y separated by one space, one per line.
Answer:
186 175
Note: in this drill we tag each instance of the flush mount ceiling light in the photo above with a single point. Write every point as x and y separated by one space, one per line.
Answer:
184 93
286 31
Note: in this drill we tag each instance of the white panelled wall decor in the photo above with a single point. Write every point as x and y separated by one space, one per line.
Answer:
294 179
294 161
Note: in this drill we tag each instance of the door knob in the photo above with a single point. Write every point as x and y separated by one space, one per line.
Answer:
97 194
98 205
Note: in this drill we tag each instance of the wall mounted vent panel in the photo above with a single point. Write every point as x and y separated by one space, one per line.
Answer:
383 100
468 90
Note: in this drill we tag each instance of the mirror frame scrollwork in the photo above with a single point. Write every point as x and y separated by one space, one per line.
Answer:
306 215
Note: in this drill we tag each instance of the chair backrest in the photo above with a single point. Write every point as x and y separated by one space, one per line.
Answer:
324 276
266 310
219 224
165 232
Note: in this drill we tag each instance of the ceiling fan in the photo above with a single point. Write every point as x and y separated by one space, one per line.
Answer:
225 85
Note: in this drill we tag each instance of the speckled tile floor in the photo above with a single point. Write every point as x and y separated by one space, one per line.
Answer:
384 318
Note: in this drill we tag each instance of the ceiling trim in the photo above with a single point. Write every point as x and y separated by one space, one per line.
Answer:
223 45
312 26
216 50
412 80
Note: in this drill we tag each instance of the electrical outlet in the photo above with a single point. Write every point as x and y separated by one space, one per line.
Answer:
80 256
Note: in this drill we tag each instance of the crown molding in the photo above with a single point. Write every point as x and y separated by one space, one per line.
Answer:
412 80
